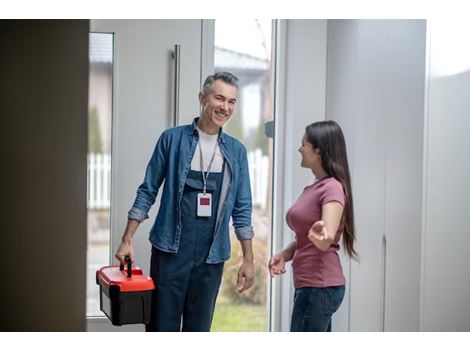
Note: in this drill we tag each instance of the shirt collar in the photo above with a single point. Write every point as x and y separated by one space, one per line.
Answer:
195 133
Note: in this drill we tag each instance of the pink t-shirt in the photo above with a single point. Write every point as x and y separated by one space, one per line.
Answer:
313 267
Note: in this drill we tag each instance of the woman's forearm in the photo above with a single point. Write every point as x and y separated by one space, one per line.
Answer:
288 252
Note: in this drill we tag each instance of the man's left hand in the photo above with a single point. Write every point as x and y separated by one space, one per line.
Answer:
246 273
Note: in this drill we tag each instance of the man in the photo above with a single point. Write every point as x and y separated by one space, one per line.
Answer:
206 181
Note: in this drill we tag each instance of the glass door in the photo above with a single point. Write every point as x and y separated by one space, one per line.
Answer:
244 48
140 64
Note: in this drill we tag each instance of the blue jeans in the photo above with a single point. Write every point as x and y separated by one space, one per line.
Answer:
313 307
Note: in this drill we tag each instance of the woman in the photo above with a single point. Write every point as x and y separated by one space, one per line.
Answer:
319 217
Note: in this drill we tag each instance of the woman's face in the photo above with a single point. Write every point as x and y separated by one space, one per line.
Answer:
310 155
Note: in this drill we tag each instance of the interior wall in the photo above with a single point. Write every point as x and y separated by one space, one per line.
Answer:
375 91
44 99
446 269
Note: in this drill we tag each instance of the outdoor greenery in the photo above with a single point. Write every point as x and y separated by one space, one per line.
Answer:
240 317
255 139
258 138
95 143
234 126
256 294
246 311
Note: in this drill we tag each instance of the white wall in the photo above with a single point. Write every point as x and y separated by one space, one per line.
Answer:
446 259
403 104
376 92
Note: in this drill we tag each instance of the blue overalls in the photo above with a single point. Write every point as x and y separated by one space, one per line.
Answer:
186 286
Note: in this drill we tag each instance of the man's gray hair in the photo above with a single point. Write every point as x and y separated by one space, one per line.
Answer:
225 77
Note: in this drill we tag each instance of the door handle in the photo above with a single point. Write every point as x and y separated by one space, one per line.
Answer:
269 129
176 55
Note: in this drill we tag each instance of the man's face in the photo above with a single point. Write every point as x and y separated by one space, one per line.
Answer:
218 103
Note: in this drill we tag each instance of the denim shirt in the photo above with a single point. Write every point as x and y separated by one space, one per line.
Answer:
170 162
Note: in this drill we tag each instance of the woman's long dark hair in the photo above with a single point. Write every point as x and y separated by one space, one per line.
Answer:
328 137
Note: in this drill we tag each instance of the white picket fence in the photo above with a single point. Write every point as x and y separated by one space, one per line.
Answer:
258 164
99 179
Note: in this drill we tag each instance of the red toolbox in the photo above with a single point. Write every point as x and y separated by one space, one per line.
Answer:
125 295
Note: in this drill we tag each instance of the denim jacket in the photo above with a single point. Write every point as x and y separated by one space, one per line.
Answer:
170 162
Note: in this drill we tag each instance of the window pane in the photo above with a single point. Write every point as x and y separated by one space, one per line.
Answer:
99 161
244 49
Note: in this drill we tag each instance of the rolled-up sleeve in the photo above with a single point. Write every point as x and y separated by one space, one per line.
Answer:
137 214
242 209
244 233
154 175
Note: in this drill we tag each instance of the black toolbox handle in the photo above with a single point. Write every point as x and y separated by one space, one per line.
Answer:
127 258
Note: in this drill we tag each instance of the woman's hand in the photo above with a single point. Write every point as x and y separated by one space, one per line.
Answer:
318 231
277 265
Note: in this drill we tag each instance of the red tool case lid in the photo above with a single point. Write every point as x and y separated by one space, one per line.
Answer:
113 275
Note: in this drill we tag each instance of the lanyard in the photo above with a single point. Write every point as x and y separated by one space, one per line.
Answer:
204 174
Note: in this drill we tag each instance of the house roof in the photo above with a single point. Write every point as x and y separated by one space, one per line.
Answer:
233 60
101 51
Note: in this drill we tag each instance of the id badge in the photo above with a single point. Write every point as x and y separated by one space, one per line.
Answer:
204 204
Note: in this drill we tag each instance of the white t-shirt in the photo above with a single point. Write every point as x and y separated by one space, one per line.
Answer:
208 142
